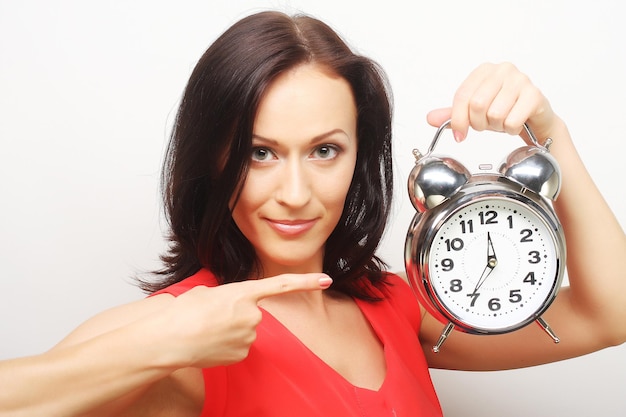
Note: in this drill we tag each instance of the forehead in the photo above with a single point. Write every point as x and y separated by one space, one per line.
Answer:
305 102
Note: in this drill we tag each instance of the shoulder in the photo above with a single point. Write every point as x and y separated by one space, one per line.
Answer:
203 277
122 315
396 287
397 292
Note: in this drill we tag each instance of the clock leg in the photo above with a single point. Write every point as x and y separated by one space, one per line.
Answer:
542 323
444 335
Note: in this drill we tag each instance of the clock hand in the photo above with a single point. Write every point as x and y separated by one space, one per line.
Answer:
492 261
482 278
491 252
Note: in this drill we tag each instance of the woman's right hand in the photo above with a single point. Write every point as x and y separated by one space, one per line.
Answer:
212 326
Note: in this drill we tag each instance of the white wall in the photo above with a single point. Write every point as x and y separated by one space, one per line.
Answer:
87 95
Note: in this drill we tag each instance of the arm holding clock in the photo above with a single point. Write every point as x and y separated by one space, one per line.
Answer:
590 313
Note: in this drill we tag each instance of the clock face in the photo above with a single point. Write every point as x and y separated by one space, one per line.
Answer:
493 264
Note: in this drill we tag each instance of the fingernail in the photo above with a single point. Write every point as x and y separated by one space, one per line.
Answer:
325 282
458 136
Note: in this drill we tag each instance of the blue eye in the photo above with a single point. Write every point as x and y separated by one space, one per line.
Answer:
325 152
262 154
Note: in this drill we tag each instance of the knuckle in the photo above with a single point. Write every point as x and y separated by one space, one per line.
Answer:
237 355
507 67
284 286
512 128
255 317
495 116
462 95
478 103
252 336
243 353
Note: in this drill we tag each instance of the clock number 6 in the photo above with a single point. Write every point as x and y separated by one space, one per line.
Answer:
494 304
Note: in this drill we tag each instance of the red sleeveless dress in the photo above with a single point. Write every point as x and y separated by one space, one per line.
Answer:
281 377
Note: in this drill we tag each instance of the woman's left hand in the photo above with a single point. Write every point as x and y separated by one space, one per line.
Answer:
588 314
497 97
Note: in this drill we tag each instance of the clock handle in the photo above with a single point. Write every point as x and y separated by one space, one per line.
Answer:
444 335
542 323
446 124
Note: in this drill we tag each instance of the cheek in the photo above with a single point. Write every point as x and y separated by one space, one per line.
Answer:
334 191
244 206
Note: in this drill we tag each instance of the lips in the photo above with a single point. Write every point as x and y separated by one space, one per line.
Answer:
291 227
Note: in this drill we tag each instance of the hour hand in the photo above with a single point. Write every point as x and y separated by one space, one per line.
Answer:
492 261
491 252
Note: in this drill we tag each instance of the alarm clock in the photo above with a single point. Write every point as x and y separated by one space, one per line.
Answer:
485 252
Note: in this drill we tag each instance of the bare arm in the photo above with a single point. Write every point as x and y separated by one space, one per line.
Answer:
80 374
588 315
112 362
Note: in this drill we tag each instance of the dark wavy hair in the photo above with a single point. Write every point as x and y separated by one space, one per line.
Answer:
210 145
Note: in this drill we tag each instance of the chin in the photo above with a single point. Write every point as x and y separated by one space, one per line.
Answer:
293 264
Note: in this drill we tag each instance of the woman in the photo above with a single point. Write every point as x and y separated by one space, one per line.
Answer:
272 301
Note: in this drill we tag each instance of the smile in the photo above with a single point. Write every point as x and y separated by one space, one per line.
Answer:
291 227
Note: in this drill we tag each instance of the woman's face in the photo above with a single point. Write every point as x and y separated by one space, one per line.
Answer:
304 154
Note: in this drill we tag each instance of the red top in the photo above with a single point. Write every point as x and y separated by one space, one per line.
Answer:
281 377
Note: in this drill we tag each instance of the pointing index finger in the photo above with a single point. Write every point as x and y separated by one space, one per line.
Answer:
287 283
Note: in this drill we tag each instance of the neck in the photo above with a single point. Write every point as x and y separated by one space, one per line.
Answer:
270 268
316 302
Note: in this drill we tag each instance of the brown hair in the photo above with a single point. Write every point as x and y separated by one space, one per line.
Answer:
210 145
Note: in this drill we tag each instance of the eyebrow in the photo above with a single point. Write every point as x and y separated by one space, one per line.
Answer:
315 139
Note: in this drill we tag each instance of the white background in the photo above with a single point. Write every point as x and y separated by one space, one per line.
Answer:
88 91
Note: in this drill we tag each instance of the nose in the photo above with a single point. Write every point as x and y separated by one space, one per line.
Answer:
294 187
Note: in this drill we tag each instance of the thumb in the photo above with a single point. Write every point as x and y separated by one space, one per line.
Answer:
438 116
282 284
